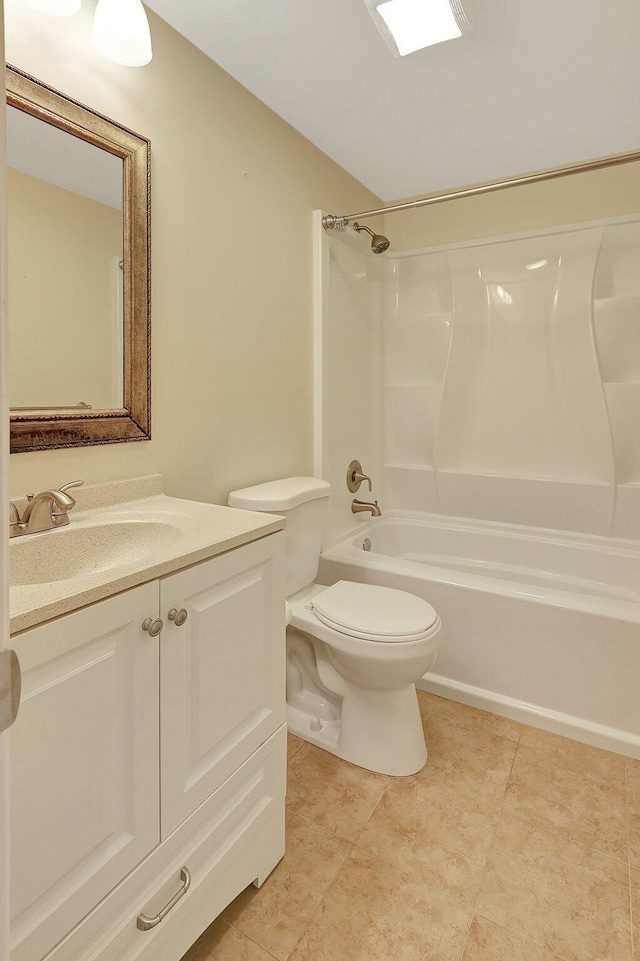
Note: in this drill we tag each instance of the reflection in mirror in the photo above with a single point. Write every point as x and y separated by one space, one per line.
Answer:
79 269
65 269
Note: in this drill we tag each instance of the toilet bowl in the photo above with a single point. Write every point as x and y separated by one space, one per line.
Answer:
354 651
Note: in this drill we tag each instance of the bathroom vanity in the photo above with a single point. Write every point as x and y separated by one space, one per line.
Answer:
149 754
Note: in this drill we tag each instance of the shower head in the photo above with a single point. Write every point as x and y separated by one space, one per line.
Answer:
379 243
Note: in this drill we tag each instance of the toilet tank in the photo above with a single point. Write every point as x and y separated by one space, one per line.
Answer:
303 501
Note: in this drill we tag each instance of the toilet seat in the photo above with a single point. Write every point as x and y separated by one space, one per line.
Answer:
374 613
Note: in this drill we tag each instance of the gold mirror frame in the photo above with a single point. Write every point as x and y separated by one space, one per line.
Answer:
132 421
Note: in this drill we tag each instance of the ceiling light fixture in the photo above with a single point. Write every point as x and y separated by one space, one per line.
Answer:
57 8
121 32
410 25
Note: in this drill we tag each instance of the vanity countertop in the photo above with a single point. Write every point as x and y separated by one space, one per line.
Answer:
121 534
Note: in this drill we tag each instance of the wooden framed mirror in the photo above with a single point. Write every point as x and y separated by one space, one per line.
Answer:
79 273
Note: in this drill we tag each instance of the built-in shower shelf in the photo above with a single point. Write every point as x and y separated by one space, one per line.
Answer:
633 300
413 385
413 467
417 316
510 476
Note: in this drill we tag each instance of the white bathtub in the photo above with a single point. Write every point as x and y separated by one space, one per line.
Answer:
539 626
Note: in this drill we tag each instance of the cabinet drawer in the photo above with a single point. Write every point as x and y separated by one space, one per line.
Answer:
237 836
84 765
222 671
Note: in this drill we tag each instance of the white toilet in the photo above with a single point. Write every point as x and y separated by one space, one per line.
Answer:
354 651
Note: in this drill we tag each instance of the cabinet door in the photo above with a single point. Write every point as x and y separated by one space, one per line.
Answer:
84 765
222 673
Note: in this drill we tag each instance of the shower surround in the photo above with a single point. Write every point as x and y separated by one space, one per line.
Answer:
505 375
492 389
512 380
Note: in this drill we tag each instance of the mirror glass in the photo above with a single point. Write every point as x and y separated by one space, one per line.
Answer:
79 272
64 200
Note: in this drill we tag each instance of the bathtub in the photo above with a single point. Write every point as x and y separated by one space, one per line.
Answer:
540 626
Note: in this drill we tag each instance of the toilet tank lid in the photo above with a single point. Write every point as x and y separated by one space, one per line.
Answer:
280 495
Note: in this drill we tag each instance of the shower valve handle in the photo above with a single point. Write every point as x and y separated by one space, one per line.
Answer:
355 477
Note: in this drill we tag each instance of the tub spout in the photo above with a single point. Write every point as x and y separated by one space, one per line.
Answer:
358 507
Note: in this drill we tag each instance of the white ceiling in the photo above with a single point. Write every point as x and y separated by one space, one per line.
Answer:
538 83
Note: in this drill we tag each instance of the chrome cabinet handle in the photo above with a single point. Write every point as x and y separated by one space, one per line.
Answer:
152 627
145 924
178 616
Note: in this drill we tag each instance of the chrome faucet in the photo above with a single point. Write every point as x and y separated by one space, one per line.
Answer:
44 511
357 507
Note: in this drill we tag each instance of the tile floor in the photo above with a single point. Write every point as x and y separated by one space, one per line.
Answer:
511 845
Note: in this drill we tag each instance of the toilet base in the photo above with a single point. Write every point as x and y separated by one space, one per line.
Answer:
378 730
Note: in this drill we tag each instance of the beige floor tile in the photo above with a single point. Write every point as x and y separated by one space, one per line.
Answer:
635 911
489 942
223 943
476 759
294 744
574 753
573 901
463 716
585 808
426 703
277 914
339 796
632 770
633 814
374 912
633 799
429 829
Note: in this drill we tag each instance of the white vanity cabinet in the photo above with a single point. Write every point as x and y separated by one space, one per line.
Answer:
116 726
84 765
221 675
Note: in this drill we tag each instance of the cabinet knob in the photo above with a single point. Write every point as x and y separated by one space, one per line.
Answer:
152 626
178 616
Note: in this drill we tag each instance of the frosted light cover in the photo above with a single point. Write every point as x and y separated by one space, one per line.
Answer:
409 25
58 8
121 32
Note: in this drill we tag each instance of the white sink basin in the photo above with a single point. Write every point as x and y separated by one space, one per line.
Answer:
72 552
122 533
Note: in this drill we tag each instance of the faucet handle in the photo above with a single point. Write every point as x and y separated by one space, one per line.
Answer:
355 477
69 486
66 487
15 523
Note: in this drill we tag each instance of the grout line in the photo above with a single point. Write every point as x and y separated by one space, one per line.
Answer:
626 799
587 846
323 827
466 937
495 831
312 918
261 946
376 805
520 935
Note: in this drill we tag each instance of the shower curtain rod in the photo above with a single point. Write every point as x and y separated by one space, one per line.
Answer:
331 222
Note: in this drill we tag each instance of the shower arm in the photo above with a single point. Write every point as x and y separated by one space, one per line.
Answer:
331 222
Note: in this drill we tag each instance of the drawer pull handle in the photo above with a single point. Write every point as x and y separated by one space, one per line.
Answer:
178 616
145 924
152 627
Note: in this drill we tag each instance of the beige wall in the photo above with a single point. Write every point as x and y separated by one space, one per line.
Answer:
233 190
612 192
64 251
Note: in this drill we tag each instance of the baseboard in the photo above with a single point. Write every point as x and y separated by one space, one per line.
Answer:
598 735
